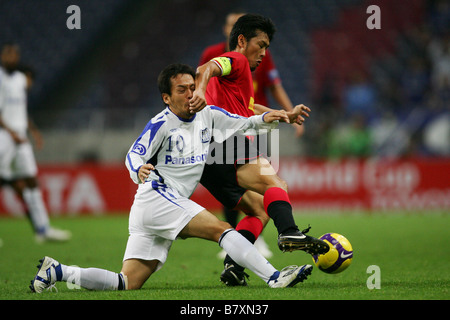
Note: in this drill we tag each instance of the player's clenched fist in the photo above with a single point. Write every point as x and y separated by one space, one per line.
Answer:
144 171
197 102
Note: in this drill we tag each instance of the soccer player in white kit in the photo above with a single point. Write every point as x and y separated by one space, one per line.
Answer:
167 161
17 163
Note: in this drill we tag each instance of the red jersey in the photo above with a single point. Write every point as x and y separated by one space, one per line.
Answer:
232 91
265 75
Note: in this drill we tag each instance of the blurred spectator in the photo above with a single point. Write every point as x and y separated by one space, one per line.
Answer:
360 97
415 82
352 140
389 137
439 54
440 97
437 135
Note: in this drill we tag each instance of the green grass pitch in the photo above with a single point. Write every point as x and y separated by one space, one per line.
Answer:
411 250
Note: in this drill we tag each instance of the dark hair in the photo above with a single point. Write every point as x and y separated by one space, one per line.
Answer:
171 71
10 44
248 25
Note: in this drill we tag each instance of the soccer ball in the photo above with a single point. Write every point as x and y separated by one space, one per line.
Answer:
338 258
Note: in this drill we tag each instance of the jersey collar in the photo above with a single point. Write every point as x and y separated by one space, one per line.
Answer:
181 119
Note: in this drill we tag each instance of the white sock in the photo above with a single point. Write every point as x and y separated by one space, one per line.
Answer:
36 207
245 254
91 278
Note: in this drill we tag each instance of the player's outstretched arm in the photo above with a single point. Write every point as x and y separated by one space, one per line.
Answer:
276 115
36 134
293 115
296 115
260 109
203 74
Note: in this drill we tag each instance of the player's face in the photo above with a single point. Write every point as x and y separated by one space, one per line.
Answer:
255 49
183 87
10 57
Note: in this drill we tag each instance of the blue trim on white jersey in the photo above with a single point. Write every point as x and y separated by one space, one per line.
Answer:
182 119
231 115
153 127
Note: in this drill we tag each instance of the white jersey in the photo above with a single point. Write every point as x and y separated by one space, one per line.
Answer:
178 148
13 101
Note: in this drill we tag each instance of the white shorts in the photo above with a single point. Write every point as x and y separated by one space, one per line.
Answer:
156 218
16 160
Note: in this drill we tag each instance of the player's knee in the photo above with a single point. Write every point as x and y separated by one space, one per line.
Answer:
257 210
276 182
283 185
223 226
220 229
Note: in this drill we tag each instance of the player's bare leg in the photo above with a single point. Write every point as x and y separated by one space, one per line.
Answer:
135 272
259 176
138 271
252 205
256 210
27 189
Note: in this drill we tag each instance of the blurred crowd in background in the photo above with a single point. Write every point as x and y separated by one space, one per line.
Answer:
400 105
375 92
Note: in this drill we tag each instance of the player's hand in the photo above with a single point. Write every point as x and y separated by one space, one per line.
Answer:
275 115
197 102
17 138
298 113
144 171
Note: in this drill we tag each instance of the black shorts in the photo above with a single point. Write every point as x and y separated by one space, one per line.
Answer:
219 176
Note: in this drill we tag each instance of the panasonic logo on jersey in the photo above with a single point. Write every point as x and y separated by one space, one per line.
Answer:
185 160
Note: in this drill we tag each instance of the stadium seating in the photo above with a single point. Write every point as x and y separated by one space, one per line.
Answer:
92 77
39 27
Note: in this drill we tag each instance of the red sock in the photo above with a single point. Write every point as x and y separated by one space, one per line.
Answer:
250 228
251 224
275 194
278 207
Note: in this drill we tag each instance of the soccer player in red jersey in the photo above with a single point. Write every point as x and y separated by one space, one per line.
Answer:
227 81
266 79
